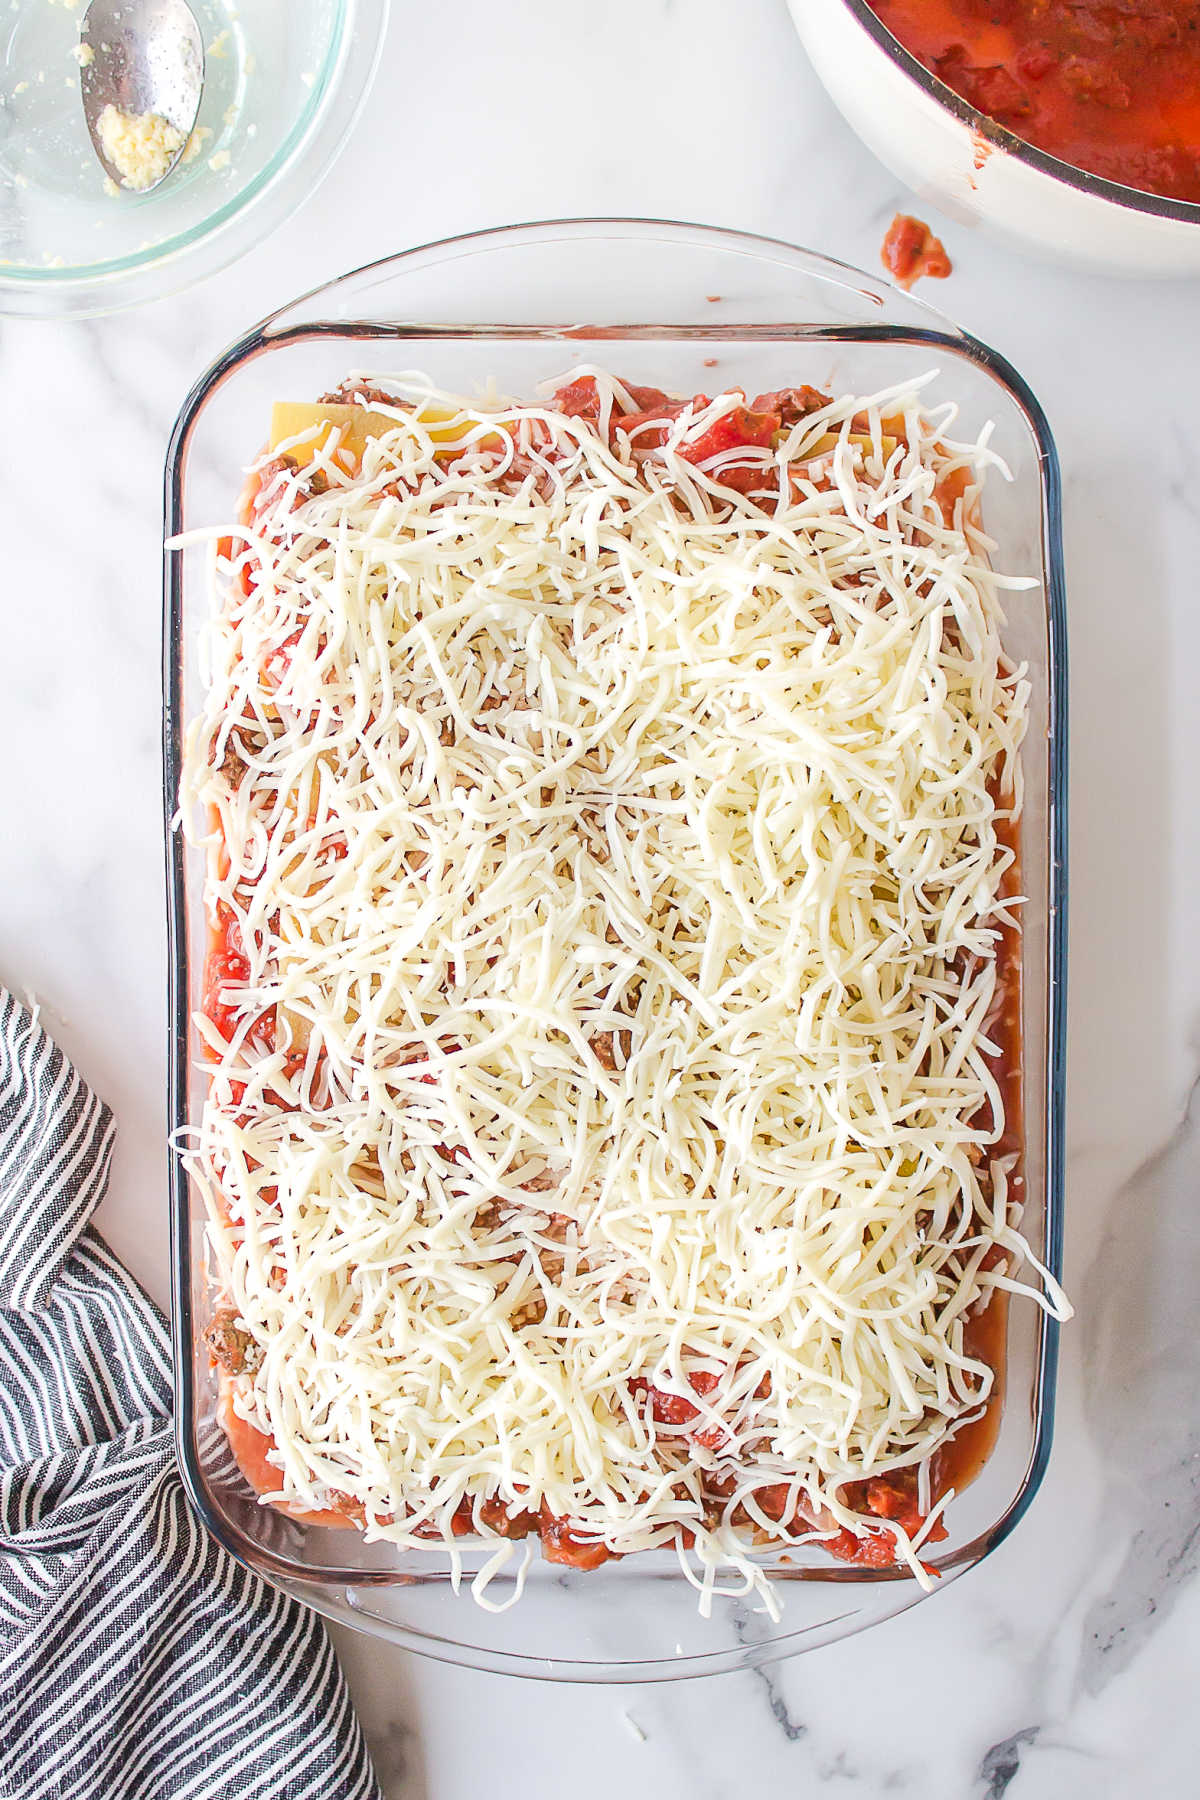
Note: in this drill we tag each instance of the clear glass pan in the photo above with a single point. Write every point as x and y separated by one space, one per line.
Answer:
686 308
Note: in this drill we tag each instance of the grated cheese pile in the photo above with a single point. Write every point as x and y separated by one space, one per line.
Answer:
617 869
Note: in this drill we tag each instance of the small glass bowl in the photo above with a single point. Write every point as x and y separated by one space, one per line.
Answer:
283 83
731 310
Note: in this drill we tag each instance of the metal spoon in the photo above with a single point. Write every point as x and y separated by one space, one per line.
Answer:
147 57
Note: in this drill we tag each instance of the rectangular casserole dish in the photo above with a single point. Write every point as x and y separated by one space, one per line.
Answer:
743 312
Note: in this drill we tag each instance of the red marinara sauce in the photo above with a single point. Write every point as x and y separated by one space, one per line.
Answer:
1112 86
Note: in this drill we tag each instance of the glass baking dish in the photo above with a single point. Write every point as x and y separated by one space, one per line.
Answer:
686 308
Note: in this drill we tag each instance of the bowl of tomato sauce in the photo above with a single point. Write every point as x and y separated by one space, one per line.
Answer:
1072 129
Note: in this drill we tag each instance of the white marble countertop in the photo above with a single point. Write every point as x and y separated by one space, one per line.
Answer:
1066 1664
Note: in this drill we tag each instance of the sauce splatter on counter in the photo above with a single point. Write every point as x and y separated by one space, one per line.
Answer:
910 250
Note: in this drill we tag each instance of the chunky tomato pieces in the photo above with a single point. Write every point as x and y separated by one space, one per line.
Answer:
580 399
226 969
647 426
226 966
495 1515
885 1497
676 1410
792 404
892 1497
741 429
560 1544
278 664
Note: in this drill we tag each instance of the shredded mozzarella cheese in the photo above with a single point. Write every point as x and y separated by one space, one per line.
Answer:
619 867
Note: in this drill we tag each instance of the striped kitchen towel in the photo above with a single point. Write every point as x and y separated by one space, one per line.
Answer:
138 1661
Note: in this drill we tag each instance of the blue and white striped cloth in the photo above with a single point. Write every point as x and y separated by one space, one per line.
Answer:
138 1661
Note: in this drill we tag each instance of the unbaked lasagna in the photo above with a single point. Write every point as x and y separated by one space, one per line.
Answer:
611 1013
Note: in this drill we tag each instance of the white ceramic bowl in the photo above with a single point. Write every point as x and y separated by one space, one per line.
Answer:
952 155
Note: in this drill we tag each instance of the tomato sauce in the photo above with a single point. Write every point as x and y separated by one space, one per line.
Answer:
561 1545
1112 86
252 1451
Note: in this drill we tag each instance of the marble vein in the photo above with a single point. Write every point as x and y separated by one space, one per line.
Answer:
792 1729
